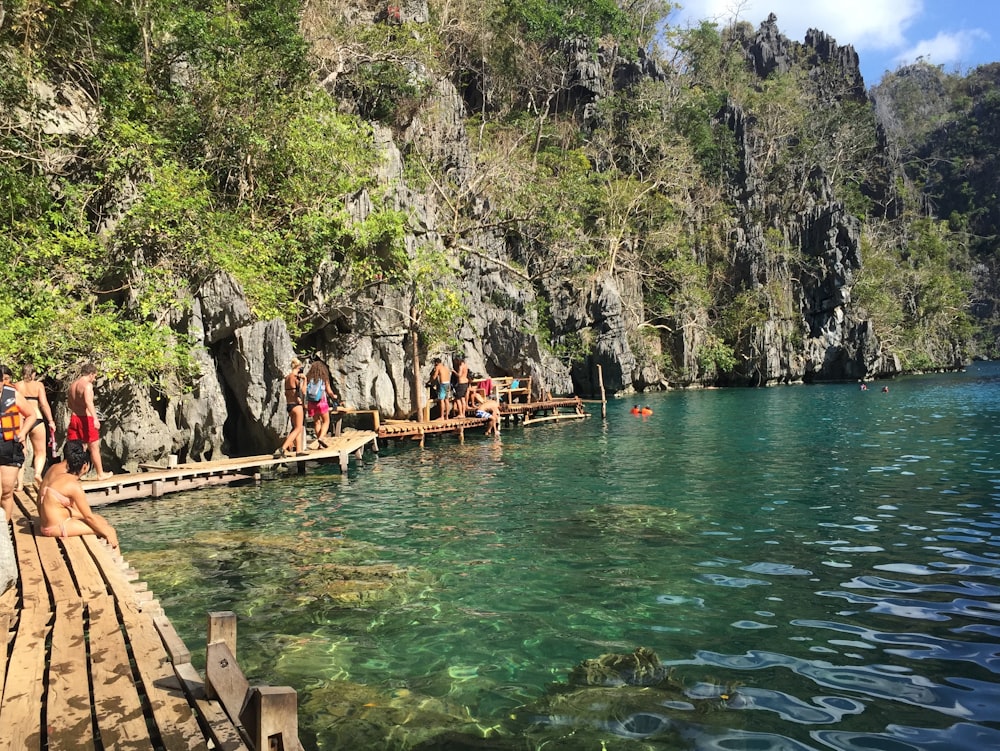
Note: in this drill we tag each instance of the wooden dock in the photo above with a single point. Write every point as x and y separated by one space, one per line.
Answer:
91 662
154 481
528 413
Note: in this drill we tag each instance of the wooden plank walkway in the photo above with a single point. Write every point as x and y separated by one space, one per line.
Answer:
545 410
157 481
86 659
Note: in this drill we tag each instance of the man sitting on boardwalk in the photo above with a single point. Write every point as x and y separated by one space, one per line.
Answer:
63 509
488 408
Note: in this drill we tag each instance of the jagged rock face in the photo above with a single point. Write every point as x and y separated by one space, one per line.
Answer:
238 407
826 340
253 364
769 51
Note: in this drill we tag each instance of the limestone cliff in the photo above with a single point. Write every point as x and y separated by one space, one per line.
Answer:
779 305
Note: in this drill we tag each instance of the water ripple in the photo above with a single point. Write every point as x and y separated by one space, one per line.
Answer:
977 701
959 737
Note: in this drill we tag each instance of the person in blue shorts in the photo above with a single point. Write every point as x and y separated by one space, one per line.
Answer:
441 376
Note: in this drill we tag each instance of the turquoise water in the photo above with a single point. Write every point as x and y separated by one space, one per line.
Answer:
819 566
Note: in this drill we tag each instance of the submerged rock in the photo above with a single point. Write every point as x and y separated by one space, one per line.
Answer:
641 668
349 715
641 520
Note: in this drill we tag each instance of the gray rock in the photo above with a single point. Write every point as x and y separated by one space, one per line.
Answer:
221 307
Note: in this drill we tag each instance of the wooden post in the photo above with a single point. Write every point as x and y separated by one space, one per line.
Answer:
271 718
415 346
222 627
604 398
221 630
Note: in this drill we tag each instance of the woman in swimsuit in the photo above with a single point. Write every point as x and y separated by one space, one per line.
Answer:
63 509
34 391
296 406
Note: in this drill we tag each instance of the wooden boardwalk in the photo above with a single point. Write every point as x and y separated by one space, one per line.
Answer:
90 661
155 481
527 412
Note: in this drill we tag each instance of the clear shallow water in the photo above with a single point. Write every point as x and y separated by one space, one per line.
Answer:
826 558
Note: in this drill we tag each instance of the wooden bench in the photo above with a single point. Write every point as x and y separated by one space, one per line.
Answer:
512 389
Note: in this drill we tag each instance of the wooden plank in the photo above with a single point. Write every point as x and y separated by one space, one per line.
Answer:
33 590
224 679
88 576
23 690
21 707
271 718
116 699
174 717
68 706
8 621
553 418
226 735
172 642
159 482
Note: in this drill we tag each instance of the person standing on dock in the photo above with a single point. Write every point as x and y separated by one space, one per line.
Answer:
15 420
319 393
295 394
84 424
441 381
461 392
63 509
38 433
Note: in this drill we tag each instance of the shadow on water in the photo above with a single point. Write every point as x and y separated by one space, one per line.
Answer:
816 567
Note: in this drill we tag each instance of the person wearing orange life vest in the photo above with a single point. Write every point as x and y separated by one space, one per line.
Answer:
15 412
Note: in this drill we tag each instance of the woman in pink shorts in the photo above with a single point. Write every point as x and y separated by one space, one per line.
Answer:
319 393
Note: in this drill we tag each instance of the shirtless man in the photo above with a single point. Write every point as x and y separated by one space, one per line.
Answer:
441 375
63 508
84 424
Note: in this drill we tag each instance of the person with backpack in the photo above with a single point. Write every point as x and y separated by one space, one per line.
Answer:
319 394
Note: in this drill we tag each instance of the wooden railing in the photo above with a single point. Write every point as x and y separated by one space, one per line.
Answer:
512 389
268 715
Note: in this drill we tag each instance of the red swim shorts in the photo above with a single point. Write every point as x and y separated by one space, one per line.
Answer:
82 429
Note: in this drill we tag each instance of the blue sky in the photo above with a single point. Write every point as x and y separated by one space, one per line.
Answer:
956 34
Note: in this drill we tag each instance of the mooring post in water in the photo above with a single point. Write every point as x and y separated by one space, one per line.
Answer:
604 398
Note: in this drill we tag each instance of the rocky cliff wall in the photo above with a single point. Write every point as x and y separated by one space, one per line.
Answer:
237 405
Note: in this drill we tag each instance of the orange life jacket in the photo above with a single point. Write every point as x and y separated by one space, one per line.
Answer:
10 416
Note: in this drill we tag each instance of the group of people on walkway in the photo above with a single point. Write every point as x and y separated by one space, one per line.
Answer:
456 396
26 417
308 393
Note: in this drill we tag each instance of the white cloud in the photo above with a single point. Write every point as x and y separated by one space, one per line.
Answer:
944 49
873 24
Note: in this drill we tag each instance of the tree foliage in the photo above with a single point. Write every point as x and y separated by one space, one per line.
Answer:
238 137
